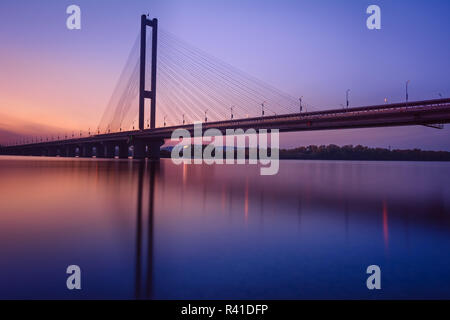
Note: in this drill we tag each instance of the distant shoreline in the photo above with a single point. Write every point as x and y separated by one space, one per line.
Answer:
334 152
350 152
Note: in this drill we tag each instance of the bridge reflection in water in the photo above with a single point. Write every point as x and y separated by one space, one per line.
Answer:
146 171
153 230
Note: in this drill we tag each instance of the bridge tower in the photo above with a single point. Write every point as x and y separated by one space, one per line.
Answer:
143 94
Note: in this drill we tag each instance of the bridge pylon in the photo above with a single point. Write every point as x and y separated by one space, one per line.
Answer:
144 94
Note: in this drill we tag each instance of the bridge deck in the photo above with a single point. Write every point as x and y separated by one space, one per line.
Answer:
399 114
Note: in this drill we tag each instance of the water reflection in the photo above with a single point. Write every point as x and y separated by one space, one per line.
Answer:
218 232
146 169
385 225
139 232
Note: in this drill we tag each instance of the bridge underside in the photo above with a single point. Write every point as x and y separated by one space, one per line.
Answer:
147 143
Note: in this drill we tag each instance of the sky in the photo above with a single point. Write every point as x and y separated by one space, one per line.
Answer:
55 80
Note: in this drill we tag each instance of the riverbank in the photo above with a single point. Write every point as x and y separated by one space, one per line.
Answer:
349 152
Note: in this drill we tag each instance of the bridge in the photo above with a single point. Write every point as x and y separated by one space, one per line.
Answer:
193 83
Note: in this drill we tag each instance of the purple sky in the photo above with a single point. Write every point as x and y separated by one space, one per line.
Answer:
57 80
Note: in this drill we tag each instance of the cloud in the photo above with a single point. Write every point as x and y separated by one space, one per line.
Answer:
14 128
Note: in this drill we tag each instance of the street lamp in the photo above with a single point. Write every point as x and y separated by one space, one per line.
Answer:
231 109
206 118
262 109
407 83
165 120
346 95
300 99
183 118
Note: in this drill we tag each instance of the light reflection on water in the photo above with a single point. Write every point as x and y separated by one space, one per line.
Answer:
161 231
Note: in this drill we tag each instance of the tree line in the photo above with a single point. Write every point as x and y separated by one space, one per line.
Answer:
359 152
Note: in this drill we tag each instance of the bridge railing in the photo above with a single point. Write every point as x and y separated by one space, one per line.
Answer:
314 114
249 121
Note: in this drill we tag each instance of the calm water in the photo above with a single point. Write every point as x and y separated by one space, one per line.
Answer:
161 231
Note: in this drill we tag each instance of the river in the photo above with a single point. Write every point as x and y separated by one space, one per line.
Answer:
156 230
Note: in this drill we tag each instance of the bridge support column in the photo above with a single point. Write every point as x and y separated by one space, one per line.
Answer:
35 152
154 148
65 151
71 151
109 150
139 150
99 150
143 94
123 150
86 151
51 152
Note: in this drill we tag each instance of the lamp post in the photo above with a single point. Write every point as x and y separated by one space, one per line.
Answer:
407 83
231 109
346 96
300 99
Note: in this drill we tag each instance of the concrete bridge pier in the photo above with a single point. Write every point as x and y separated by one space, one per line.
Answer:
109 150
99 150
65 151
51 152
123 150
154 148
139 150
35 152
86 150
71 151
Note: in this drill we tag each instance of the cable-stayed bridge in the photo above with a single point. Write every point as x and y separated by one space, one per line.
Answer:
184 85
